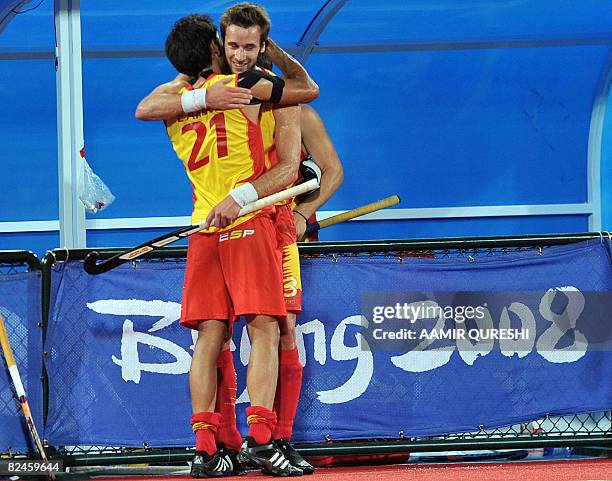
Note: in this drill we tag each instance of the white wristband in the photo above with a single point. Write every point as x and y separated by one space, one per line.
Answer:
193 100
245 194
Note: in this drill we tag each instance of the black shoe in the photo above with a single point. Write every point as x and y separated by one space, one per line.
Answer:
231 456
294 457
206 466
267 457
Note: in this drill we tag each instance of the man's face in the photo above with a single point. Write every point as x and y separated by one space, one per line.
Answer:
242 45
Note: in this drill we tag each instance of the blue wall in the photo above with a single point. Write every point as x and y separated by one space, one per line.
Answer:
606 166
462 104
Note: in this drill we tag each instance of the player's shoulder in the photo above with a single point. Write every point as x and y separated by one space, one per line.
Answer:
214 78
250 77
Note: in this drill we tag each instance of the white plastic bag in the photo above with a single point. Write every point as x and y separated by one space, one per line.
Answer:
94 193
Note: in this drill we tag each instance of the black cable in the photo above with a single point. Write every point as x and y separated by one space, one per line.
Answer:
29 9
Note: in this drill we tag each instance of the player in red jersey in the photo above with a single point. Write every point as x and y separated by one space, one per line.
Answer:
316 141
241 55
211 154
291 225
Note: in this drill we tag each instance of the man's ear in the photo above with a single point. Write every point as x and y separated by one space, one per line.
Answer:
215 48
264 45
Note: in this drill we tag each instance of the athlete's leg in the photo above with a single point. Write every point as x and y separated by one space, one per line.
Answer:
290 369
289 379
263 362
228 433
204 268
287 332
288 393
207 461
261 383
251 263
203 379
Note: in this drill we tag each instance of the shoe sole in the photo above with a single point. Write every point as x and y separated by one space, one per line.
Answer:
205 475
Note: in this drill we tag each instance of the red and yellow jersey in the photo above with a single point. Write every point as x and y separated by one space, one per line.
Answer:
220 150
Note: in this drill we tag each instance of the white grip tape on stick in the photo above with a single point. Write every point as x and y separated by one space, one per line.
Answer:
312 184
16 380
299 189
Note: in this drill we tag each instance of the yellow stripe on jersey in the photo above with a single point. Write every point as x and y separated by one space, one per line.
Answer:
220 150
292 281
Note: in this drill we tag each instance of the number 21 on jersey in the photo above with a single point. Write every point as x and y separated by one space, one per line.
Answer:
217 121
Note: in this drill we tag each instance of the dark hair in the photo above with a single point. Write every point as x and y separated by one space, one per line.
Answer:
188 44
246 15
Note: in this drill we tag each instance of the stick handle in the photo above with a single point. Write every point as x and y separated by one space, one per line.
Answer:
351 214
6 347
10 359
294 191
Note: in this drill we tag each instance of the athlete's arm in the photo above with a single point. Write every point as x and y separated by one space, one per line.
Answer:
320 147
161 103
166 103
288 142
297 86
284 173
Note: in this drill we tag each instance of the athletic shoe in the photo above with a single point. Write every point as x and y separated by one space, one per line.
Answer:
267 457
206 466
231 456
294 457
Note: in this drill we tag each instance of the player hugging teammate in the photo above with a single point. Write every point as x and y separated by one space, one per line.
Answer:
238 136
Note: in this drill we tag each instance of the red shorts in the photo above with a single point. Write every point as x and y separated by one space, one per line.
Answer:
292 282
233 273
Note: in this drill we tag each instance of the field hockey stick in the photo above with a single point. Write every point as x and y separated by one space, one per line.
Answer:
351 214
21 394
91 265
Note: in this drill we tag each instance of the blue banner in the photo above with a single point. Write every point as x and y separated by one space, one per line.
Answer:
20 308
119 360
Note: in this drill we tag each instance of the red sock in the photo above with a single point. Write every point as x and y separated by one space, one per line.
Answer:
287 392
226 401
204 425
261 423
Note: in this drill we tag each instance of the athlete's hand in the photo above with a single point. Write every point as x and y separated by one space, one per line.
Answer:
224 213
221 97
300 226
